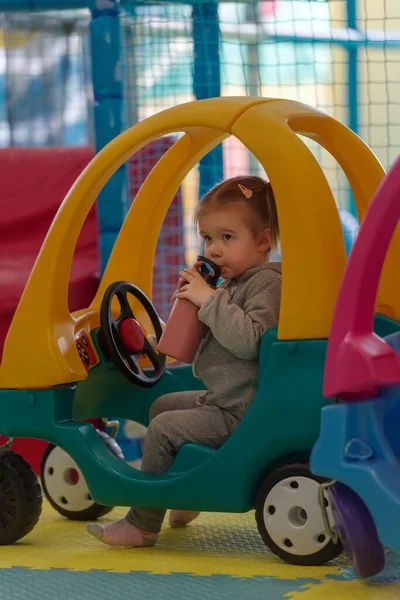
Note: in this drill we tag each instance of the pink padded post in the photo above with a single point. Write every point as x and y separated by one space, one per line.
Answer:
358 362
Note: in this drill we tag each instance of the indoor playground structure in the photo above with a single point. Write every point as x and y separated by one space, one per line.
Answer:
115 117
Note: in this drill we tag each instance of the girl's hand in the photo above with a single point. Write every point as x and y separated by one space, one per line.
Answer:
194 287
182 281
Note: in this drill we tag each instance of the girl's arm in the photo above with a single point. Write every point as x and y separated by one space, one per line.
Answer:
240 330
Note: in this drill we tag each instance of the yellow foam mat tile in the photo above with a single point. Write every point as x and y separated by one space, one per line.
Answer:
347 590
226 544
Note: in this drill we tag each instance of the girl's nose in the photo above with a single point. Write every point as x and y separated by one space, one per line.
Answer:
215 251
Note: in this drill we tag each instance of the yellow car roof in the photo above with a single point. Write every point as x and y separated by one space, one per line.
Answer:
40 348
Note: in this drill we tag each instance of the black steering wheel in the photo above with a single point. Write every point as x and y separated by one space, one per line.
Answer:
123 340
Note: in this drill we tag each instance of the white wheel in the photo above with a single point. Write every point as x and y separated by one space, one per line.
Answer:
289 517
293 516
65 483
65 487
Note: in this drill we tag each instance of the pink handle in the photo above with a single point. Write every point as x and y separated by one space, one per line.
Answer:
358 361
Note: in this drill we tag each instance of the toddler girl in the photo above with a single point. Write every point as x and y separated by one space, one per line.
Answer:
238 222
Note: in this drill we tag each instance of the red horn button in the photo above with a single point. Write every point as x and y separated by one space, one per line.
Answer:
132 335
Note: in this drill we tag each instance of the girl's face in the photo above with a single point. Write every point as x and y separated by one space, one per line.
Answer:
229 241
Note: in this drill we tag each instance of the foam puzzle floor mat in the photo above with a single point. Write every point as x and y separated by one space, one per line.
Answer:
218 556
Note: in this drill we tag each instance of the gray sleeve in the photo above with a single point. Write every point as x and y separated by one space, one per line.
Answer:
240 330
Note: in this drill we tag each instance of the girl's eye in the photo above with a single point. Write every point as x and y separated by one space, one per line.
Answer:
227 237
206 238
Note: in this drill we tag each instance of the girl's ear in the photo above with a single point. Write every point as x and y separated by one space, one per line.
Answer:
264 244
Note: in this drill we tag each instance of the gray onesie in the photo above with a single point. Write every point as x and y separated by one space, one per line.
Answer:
236 314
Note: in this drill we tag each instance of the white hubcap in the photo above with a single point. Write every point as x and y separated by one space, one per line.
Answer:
293 517
65 483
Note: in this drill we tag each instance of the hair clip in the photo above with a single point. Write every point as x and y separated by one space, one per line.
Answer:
245 191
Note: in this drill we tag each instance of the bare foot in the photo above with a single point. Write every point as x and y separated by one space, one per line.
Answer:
121 533
181 518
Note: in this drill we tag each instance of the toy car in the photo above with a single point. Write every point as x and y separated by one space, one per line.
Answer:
48 389
358 448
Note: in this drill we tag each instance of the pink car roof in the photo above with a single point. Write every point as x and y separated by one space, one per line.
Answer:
358 361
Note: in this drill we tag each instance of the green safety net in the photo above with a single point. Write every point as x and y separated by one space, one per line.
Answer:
172 51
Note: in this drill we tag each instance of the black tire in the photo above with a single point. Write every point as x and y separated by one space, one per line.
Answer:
274 484
20 498
93 511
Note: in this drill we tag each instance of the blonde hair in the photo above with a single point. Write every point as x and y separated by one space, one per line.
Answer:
257 196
